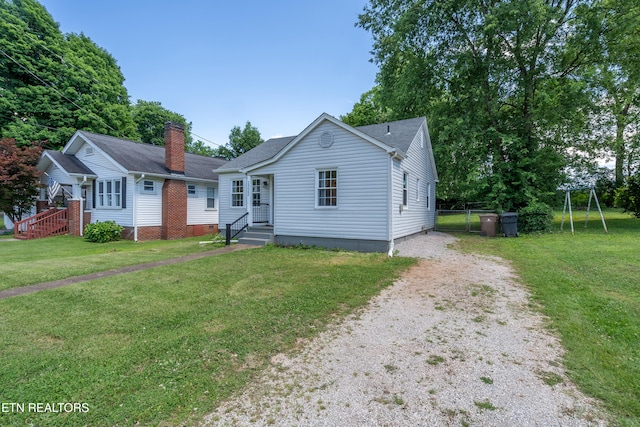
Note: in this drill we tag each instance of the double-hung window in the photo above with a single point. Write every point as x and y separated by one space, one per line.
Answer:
405 189
327 188
237 193
211 198
109 193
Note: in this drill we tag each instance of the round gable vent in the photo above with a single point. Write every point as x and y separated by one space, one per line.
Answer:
326 139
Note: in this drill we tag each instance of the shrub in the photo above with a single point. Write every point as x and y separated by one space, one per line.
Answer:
102 232
535 218
628 197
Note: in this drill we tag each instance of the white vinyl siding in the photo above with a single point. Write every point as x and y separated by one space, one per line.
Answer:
197 206
228 213
362 204
418 216
105 169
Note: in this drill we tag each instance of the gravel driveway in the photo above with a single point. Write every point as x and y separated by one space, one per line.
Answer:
453 342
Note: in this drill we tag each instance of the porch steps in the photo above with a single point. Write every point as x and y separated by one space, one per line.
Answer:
257 236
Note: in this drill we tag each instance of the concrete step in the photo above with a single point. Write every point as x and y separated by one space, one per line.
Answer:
258 236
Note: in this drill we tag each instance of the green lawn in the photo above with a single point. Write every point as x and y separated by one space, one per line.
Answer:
27 262
165 346
589 286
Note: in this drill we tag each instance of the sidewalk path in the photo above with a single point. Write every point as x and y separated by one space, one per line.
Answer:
93 276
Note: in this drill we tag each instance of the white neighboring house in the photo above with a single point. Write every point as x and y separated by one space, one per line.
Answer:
334 185
154 192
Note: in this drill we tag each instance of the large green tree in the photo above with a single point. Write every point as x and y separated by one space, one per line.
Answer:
497 80
51 84
240 141
149 118
615 77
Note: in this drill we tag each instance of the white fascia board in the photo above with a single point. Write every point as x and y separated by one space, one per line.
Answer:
324 116
75 143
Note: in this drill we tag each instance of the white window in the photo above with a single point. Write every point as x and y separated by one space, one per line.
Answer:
428 196
327 188
405 189
256 192
109 193
237 193
211 198
192 190
148 186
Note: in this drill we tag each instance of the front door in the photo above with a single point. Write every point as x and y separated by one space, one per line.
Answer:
260 206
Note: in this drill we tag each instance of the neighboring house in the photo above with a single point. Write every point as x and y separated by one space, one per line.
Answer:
334 185
154 192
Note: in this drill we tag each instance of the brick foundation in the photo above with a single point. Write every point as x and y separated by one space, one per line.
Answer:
201 229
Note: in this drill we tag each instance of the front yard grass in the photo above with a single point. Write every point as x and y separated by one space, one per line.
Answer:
588 284
164 346
28 262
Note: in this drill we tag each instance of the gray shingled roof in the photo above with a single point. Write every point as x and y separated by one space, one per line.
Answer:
262 152
69 163
398 134
147 158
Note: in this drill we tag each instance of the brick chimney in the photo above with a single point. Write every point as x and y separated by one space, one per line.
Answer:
174 147
174 191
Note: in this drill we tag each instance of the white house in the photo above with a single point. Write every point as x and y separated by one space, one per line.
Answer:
154 192
334 185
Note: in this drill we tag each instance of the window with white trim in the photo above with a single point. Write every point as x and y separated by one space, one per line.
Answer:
327 188
428 196
256 192
405 189
148 186
109 193
211 198
237 193
192 191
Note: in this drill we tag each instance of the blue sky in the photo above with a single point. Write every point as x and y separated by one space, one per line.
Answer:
277 64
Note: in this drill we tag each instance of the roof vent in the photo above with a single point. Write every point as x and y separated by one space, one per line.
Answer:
388 130
326 139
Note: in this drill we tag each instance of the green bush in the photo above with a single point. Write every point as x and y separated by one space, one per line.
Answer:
628 197
535 218
102 232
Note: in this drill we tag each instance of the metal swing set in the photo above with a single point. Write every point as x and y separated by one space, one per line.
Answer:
567 202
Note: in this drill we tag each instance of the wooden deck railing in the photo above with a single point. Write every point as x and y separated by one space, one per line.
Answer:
51 222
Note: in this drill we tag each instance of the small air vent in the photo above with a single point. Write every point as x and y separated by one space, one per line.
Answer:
326 139
89 151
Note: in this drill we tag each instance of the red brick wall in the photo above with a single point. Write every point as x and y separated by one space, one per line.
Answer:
174 209
201 229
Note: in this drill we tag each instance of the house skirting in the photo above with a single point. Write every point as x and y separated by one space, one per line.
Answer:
359 245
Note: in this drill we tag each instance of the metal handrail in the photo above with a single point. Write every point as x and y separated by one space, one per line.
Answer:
236 227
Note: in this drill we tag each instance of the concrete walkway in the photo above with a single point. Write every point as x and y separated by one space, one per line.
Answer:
99 275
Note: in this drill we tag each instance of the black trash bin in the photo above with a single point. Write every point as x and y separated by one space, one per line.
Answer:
509 221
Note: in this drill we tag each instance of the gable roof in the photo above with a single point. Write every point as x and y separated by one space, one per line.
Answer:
65 162
394 137
138 157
